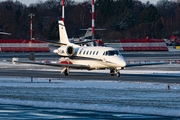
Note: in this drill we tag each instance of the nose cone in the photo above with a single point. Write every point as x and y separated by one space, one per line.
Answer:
119 61
122 62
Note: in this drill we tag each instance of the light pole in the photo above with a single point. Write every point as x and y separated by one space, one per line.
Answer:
31 15
63 10
93 24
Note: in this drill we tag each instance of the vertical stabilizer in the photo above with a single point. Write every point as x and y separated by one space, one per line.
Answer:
88 33
62 33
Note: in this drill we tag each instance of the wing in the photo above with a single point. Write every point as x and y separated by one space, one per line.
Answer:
146 64
77 66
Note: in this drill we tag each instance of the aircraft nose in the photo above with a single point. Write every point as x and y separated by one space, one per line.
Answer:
120 62
123 62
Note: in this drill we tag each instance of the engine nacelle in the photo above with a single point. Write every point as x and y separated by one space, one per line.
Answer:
64 51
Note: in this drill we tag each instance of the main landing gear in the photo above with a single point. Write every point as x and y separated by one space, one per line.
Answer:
65 71
112 72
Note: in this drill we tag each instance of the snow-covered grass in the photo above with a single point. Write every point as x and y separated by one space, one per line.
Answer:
114 96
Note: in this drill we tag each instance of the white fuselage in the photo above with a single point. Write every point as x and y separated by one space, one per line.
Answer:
97 57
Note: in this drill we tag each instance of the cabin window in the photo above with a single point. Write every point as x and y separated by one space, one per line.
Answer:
104 53
84 52
80 52
97 52
87 52
93 52
90 52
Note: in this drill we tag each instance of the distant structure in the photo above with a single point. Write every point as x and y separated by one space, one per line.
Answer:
5 33
178 1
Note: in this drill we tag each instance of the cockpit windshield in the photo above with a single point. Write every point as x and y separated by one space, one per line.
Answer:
112 52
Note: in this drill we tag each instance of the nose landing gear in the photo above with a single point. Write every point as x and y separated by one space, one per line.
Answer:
118 74
112 72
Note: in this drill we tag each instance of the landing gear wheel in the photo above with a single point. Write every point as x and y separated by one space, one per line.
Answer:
118 74
112 71
66 73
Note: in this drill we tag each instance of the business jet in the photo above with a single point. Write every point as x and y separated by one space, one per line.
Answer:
88 36
86 57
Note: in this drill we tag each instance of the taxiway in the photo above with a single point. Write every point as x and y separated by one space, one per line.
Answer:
24 70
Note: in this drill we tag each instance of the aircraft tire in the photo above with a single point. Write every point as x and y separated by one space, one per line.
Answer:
112 72
66 72
118 74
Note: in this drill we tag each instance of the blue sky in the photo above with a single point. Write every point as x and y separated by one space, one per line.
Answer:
27 2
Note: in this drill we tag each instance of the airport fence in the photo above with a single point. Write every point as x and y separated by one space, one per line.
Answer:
22 45
143 45
139 45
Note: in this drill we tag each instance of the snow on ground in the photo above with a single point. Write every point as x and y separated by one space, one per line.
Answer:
111 96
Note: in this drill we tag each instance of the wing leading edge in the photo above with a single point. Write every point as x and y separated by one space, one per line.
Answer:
146 64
